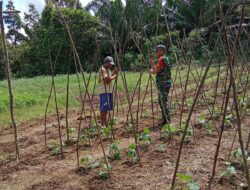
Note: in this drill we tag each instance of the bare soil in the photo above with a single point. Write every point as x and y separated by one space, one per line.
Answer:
39 169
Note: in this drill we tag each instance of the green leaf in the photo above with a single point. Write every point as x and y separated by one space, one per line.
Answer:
193 185
184 178
71 130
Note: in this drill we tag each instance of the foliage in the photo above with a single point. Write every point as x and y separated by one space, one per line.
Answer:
107 130
204 123
115 150
161 147
132 154
144 137
230 171
54 147
237 155
14 24
187 181
167 130
228 120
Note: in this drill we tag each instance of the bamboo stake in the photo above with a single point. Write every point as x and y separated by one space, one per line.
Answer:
8 76
55 98
193 106
85 84
67 103
232 83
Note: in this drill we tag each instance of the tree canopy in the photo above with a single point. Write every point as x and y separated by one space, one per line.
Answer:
104 27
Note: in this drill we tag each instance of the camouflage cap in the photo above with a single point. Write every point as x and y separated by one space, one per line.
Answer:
160 46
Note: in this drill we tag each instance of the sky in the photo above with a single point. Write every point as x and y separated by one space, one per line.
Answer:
22 5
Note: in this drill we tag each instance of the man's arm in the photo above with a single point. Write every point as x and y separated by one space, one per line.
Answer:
108 79
154 69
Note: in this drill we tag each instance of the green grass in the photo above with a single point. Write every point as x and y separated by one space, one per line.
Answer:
31 95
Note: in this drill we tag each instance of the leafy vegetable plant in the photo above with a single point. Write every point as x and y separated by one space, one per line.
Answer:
104 172
167 130
186 182
145 137
115 151
205 124
54 147
237 154
161 147
230 171
71 132
132 154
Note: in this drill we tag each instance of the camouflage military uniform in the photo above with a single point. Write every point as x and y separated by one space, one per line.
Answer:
164 83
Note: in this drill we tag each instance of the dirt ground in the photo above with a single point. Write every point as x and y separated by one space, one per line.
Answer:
39 169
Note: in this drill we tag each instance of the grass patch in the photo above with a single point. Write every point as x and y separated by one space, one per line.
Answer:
31 94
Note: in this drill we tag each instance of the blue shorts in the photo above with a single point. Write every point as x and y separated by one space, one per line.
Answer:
106 102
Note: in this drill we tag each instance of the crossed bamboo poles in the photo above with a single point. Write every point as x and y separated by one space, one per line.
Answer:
199 90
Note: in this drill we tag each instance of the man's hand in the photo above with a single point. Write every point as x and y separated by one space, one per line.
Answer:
151 61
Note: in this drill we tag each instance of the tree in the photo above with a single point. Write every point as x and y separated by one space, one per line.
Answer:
14 24
31 20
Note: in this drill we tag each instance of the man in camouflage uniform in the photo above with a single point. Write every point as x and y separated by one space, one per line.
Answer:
164 82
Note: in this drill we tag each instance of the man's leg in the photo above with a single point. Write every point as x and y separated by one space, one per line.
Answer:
161 101
103 118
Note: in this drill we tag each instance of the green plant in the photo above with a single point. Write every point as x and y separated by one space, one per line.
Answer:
189 102
228 120
115 151
167 130
217 111
87 161
237 155
230 171
145 114
113 121
54 147
132 154
186 182
189 133
103 175
145 137
104 172
71 132
84 136
161 147
107 130
205 124
174 105
93 130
